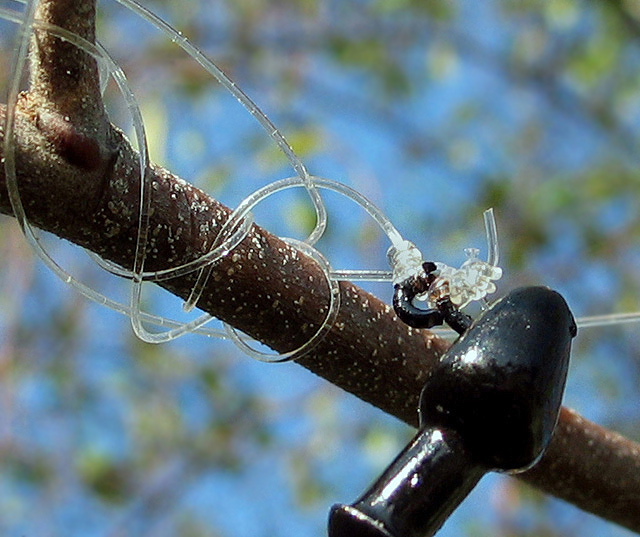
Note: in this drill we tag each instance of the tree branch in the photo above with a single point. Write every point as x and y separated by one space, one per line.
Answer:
264 288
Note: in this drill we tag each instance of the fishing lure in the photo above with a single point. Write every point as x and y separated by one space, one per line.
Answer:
491 404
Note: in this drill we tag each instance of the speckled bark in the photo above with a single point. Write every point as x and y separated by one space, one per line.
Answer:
593 468
79 179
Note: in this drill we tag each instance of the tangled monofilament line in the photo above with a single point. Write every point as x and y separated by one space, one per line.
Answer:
472 281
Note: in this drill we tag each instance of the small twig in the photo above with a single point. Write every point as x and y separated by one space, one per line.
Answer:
64 78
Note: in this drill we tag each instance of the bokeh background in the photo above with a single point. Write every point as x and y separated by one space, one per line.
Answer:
435 111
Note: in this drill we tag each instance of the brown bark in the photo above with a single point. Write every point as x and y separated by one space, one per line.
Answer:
79 178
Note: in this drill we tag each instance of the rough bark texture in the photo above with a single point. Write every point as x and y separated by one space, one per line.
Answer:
79 179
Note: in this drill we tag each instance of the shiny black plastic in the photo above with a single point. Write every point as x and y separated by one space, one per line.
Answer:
501 384
491 403
419 489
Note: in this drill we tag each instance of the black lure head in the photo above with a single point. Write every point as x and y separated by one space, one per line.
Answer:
491 403
501 384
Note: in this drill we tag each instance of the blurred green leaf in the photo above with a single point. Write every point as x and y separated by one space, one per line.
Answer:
103 475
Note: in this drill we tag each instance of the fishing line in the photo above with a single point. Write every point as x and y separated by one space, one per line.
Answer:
404 257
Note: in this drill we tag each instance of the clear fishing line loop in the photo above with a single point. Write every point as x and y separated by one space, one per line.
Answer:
234 230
